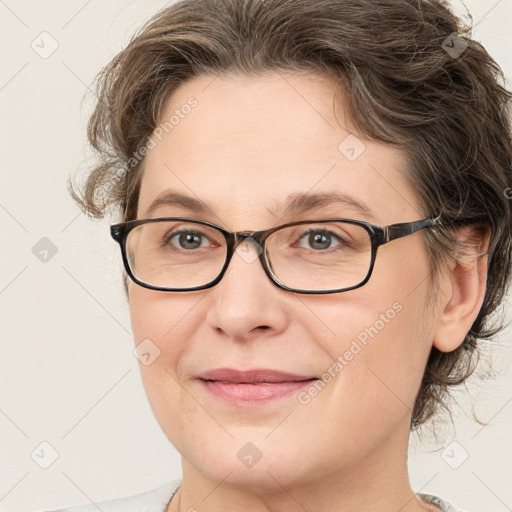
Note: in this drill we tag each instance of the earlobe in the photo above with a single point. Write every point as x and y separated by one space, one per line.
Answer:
461 290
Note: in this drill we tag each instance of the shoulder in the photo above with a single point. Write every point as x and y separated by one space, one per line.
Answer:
443 505
154 500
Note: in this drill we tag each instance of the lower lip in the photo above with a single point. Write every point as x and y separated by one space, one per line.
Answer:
258 393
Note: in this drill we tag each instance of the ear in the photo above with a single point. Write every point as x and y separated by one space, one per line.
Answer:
462 289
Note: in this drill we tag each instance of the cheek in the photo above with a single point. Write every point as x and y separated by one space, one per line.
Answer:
393 358
164 318
397 353
162 325
382 343
403 321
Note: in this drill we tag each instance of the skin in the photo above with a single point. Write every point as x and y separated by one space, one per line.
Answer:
248 145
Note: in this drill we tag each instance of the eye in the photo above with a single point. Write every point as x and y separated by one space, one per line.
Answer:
186 239
321 240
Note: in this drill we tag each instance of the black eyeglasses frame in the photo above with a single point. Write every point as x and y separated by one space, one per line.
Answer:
379 235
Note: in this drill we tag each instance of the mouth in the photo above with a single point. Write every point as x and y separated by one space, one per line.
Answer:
252 387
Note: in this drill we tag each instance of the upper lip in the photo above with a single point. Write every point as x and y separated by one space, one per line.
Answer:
252 376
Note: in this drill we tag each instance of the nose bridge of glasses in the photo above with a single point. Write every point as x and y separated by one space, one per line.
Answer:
243 250
251 236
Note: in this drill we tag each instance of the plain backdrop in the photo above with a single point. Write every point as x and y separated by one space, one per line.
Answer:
75 425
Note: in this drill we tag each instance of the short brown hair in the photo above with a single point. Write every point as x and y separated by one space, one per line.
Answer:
413 78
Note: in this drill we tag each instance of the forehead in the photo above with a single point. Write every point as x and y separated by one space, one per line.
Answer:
246 145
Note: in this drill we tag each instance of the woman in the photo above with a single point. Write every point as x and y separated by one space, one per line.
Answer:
315 229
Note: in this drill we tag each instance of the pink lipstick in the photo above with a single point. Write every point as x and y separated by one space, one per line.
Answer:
252 387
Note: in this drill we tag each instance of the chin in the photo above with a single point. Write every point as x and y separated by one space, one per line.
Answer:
261 466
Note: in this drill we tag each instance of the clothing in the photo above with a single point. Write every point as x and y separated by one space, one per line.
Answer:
435 500
156 500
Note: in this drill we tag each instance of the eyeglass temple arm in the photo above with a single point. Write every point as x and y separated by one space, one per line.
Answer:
400 230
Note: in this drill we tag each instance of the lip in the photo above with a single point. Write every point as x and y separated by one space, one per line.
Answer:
252 387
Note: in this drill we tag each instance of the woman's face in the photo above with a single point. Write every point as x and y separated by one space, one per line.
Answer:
244 148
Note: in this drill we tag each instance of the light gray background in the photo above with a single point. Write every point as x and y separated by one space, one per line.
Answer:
67 373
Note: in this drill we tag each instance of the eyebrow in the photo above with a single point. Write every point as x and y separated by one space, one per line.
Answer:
295 203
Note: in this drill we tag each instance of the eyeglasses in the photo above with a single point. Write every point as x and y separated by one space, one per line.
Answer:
312 257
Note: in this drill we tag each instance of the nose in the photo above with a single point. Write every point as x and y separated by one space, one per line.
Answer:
246 302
